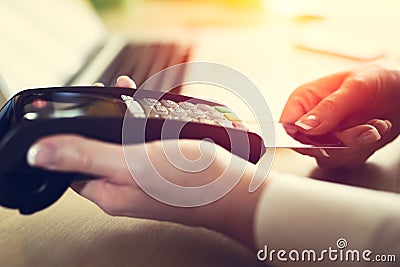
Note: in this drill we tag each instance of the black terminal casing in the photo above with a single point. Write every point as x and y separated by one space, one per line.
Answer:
32 189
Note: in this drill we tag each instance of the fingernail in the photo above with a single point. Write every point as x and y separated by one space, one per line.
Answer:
389 124
324 152
41 155
308 123
381 126
126 81
98 84
370 136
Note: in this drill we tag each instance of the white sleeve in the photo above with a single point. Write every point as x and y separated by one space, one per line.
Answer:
301 214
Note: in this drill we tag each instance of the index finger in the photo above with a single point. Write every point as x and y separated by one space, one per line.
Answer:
308 95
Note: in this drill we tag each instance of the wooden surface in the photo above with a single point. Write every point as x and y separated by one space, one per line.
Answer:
74 232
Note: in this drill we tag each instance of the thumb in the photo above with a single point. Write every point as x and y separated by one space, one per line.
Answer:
351 97
125 81
71 153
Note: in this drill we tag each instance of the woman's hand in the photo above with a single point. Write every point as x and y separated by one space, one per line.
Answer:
362 108
117 192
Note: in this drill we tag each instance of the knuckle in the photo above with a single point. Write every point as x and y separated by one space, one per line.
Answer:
74 158
307 95
330 103
365 87
300 101
111 208
63 159
358 82
84 160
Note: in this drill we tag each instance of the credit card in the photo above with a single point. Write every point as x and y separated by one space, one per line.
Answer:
289 136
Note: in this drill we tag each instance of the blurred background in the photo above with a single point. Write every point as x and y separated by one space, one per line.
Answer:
278 43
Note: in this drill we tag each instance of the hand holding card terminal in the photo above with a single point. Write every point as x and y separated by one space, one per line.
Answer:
99 113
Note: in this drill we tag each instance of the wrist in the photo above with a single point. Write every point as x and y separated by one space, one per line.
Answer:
234 214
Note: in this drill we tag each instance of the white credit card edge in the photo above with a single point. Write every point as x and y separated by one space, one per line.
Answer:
282 138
